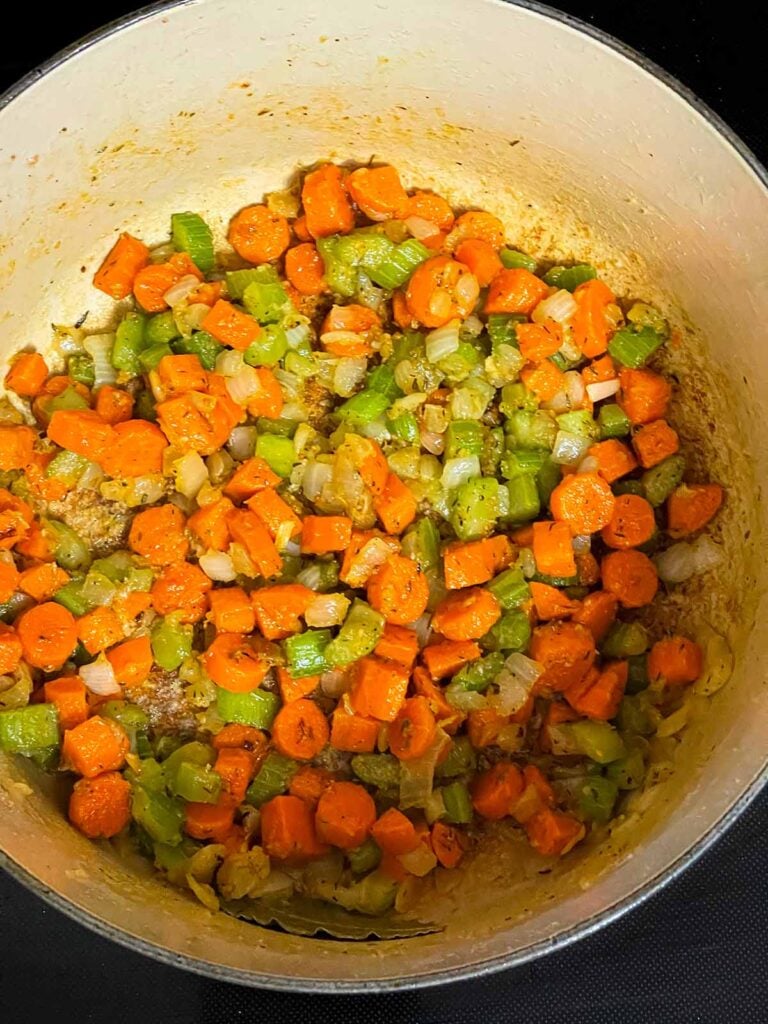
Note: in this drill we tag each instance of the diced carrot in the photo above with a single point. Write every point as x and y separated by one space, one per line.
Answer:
477 224
158 534
675 661
136 450
209 821
248 530
555 714
373 468
132 604
633 522
413 729
631 576
114 405
484 726
378 688
99 629
279 608
394 833
401 314
449 718
207 294
259 235
567 652
124 260
467 614
353 733
597 612
231 610
101 807
447 843
599 371
552 549
250 478
235 735
9 580
494 792
544 379
229 325
32 541
399 590
268 400
553 833
398 644
395 506
48 635
587 569
294 689
323 534
288 830
81 431
67 694
589 324
16 447
378 192
309 784
345 815
233 663
644 395
27 374
614 459
181 373
197 423
515 291
691 507
391 868
599 697
300 730
447 657
431 207
94 746
300 229
481 258
209 524
584 501
131 660
181 589
466 564
305 269
551 603
655 442
358 563
326 207
151 283
276 514
10 649
236 767
440 290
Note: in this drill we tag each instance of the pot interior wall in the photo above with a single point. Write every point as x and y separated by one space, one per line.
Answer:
585 156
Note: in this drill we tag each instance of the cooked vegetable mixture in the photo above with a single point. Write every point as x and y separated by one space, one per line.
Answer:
337 548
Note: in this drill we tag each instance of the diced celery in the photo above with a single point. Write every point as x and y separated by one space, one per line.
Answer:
629 487
171 642
613 421
478 675
70 550
524 503
145 406
363 408
340 274
624 639
547 479
382 771
159 815
510 588
200 344
598 741
278 452
81 368
597 796
492 451
359 634
29 730
161 329
269 348
637 679
279 426
580 422
150 357
71 597
461 760
197 783
67 400
659 481
502 328
129 342
628 772
511 633
404 427
266 302
382 379
422 543
67 466
634 347
320 575
521 462
132 718
394 269
637 714
257 708
514 260
272 779
531 430
570 277
364 858
305 652
238 280
463 438
476 508
190 234
458 803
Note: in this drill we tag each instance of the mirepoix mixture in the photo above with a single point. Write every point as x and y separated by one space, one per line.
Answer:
317 564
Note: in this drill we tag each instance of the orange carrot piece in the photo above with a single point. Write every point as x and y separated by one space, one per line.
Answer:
599 371
515 291
198 423
675 661
248 530
300 730
644 395
209 821
466 614
373 468
233 664
447 844
447 657
353 733
345 815
378 192
258 235
567 652
394 833
305 269
552 549
466 564
131 660
326 207
413 729
539 341
181 373
209 524
597 612
398 644
294 689
235 735
182 589
655 442
482 259
691 507
378 688
231 610
236 767
494 792
477 224
137 450
431 207
553 833
401 314
81 431
67 694
101 807
449 718
399 590
633 522
614 459
99 629
268 400
323 534
279 608
288 830
309 784
544 379
631 576
10 579
356 566
151 283
551 603
395 506
555 714
158 535
96 745
440 290
48 634
250 478
124 260
10 649
132 604
113 404
599 696
300 229
589 324
27 374
229 325
584 501
276 514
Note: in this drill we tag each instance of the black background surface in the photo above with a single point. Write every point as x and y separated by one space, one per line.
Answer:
695 952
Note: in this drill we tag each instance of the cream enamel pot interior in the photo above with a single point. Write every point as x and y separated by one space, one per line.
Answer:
588 154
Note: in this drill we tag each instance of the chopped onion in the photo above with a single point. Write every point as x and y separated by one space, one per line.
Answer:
467 290
139 490
243 385
430 467
574 389
178 292
511 739
405 462
589 464
326 610
220 465
417 775
569 350
470 401
718 661
229 362
420 228
558 403
295 411
335 682
190 318
298 335
603 389
377 430
349 373
559 307
527 562
515 683
685 559
241 561
98 589
582 543
473 326
371 556
422 627
408 403
570 448
217 565
304 435
191 474
443 341
99 677
316 476
434 443
283 540
435 418
419 862
466 700
241 443
458 471
99 348
92 475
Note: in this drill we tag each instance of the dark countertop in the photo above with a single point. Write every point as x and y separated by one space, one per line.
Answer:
694 952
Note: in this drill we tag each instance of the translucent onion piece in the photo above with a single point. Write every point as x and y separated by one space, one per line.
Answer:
473 326
242 443
569 448
419 862
685 559
434 443
178 292
191 474
316 476
349 373
718 661
335 682
435 419
139 490
229 363
589 464
327 610
99 677
442 342
99 348
459 470
417 776
574 389
298 335
559 307
466 700
582 543
603 389
218 566
420 228
527 562
243 385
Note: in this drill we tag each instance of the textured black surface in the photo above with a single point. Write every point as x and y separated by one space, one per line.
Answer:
695 952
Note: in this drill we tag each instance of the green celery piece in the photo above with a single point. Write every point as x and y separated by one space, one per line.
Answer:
511 633
116 567
547 479
531 430
130 340
463 438
478 675
29 730
514 260
266 302
570 277
638 673
149 774
132 718
459 364
502 328
303 366
70 550
364 858
320 575
67 400
382 379
190 234
269 348
628 487
71 597
145 407
598 741
521 462
382 771
510 588
161 329
628 772
363 408
524 501
636 714
422 543
360 632
257 708
81 368
613 421
150 357
272 779
517 398
659 482
476 508
305 652
194 752
405 427
492 452
159 815
597 798
238 280
580 422
199 784
200 344
458 803
280 427
624 639
171 642
374 894
634 348
67 466
394 269
461 760
278 452
340 274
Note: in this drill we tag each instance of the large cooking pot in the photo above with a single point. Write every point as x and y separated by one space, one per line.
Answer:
587 152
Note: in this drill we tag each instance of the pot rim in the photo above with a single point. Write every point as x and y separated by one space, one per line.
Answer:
537 949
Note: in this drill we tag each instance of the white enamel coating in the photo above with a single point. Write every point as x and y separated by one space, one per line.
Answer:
207 104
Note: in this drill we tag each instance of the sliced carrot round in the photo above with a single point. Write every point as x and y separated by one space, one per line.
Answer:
633 522
495 792
440 290
567 652
48 635
300 730
631 576
345 815
691 507
305 269
233 664
583 500
466 614
412 732
482 259
378 192
259 235
399 590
